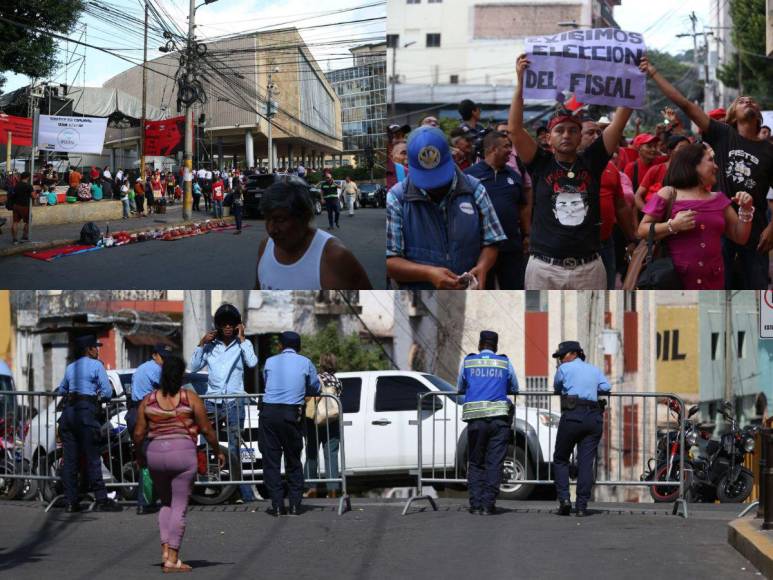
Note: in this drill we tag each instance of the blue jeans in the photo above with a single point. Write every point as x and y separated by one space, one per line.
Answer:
233 413
330 439
218 205
125 203
607 252
753 266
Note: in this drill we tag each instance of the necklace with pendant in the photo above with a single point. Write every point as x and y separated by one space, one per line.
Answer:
569 171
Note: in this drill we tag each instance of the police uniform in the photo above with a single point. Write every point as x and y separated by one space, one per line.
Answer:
582 424
485 379
84 381
289 378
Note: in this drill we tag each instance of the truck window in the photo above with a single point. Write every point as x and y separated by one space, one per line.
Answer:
398 393
351 389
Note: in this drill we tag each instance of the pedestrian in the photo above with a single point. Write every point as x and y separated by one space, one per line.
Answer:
75 177
470 113
21 208
196 193
289 377
85 382
156 192
323 431
125 190
171 418
297 255
96 190
145 380
746 164
329 191
170 185
699 218
565 233
582 423
351 191
206 190
50 178
442 229
462 147
646 145
400 161
108 189
652 182
237 204
486 379
227 353
139 196
94 173
106 173
218 195
505 188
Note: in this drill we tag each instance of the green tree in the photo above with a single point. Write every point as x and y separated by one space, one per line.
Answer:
352 352
748 35
33 53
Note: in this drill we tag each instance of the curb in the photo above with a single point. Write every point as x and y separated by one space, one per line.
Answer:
21 249
753 543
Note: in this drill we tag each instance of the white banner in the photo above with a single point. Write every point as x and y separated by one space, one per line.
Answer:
72 134
766 313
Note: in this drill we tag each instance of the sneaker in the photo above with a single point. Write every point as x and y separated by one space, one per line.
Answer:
107 506
239 501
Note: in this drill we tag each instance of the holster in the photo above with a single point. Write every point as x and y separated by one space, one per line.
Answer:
603 404
568 402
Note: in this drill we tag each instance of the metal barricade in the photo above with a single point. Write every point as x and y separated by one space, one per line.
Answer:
32 456
642 445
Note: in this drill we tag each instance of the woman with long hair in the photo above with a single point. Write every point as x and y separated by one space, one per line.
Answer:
171 418
699 218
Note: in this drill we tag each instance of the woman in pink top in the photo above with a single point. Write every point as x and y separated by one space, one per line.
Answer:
699 218
172 417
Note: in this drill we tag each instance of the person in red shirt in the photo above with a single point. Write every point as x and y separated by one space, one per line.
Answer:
94 173
218 195
156 190
653 179
614 209
647 146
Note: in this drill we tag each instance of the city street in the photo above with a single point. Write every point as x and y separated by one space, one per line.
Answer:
214 261
375 541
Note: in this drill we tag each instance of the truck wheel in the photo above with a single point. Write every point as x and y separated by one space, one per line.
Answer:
515 468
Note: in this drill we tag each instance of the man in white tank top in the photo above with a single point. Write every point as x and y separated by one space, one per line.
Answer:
296 255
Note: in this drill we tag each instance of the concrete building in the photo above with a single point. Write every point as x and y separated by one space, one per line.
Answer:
362 91
306 127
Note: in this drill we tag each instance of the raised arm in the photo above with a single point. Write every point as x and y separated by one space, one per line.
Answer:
524 143
614 130
693 111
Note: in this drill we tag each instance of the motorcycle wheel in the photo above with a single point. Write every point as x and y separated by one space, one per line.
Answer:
215 494
664 494
129 472
729 492
49 465
10 487
29 488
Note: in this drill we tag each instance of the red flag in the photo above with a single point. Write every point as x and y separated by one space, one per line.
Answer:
20 128
164 138
573 104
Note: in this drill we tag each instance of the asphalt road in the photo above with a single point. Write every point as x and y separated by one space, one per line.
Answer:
211 261
374 541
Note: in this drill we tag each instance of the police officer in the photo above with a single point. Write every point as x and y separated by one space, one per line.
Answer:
144 381
289 377
486 379
582 423
85 380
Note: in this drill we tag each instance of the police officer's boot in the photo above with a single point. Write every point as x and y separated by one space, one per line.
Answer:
564 507
581 512
108 505
72 508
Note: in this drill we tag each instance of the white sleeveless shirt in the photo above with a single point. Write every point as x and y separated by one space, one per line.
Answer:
304 274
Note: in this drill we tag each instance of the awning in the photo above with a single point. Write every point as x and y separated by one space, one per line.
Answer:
150 340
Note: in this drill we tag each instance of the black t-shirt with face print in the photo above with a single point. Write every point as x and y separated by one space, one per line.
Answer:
744 165
567 218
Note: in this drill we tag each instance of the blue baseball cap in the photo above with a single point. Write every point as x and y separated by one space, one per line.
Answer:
429 158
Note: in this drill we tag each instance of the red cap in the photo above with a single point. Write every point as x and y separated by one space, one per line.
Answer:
563 119
643 139
718 114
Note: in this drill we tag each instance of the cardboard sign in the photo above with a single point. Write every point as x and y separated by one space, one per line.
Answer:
20 128
766 313
72 134
164 138
600 66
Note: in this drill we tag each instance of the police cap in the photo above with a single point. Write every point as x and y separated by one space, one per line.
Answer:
566 347
290 339
87 341
489 337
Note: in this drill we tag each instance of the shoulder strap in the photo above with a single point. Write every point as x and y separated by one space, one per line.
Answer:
635 179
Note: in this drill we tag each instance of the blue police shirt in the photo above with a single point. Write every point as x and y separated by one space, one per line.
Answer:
145 379
486 376
580 379
86 376
226 365
289 378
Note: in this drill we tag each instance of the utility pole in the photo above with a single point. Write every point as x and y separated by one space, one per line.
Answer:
188 157
144 96
394 74
729 394
269 114
696 64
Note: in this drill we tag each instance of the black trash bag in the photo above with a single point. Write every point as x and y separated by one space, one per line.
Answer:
90 234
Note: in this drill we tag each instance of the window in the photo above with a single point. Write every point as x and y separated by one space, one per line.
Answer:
351 389
454 80
536 301
741 346
392 40
396 393
433 40
714 345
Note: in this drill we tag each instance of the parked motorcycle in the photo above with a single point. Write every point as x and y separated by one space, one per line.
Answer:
12 462
208 488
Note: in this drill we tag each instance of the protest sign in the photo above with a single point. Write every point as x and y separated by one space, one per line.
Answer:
164 138
19 127
600 66
71 134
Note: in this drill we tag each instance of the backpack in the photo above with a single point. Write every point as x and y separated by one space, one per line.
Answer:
90 234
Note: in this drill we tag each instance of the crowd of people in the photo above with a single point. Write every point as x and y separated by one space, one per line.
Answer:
564 206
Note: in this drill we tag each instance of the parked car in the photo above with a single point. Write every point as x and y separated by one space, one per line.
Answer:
372 194
257 184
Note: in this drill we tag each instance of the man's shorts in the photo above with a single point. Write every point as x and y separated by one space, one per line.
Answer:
21 213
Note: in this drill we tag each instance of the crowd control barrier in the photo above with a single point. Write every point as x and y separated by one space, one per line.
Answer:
642 445
31 453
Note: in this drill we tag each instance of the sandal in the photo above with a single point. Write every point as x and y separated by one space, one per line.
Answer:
171 567
164 552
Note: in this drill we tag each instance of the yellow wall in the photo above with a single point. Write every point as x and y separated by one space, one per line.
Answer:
6 335
677 366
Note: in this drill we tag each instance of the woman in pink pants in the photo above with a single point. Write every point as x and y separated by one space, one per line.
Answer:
171 418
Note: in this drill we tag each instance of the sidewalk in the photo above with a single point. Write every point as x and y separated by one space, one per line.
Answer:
755 544
51 236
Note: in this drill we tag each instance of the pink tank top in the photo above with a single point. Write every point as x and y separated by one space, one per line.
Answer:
178 423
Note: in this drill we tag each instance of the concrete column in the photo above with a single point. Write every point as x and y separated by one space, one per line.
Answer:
290 161
197 319
275 153
220 153
112 162
248 148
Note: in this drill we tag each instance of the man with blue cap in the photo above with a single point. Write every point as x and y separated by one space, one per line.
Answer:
442 229
486 379
289 377
582 423
85 382
144 381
